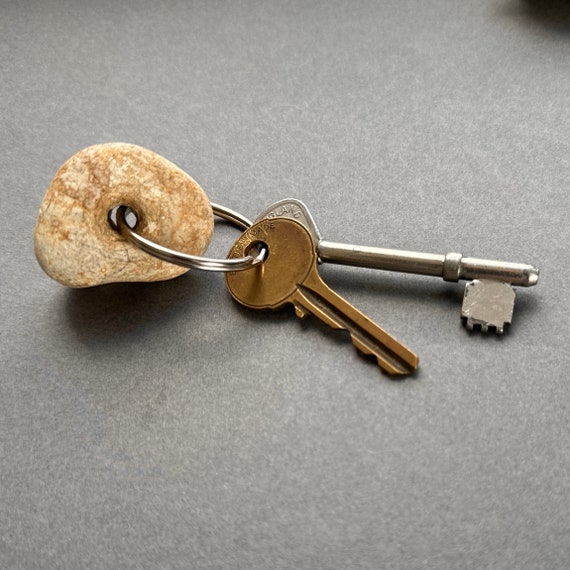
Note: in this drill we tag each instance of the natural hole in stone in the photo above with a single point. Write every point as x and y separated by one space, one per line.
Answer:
130 217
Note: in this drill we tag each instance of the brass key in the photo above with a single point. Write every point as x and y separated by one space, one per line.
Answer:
289 276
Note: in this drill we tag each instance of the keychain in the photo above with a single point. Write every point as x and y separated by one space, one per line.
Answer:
85 236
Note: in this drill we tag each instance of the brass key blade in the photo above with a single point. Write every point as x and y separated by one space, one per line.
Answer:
316 298
289 276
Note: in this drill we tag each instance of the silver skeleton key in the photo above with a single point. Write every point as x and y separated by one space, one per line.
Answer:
489 298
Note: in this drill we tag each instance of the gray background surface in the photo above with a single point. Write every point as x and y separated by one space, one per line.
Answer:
162 425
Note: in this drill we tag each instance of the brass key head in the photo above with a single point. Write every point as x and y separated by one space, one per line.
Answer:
292 255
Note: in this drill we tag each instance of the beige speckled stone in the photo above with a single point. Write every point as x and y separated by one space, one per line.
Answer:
74 242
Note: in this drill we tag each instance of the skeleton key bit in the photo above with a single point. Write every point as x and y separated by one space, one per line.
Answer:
289 276
489 298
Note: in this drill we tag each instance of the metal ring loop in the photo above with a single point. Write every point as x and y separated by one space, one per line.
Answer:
185 259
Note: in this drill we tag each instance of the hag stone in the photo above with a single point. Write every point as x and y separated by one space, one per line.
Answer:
74 241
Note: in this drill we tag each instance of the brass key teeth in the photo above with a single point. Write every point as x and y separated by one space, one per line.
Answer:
394 358
392 367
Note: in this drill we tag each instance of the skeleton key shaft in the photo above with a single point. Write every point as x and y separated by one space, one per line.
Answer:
289 276
451 267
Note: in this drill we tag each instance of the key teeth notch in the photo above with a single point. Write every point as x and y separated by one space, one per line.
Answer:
474 325
301 312
388 368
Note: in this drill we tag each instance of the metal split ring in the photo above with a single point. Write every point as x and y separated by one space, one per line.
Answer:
117 219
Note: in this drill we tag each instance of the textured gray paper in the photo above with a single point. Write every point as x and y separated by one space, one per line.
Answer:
164 426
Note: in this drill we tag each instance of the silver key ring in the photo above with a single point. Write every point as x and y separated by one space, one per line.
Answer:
117 219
